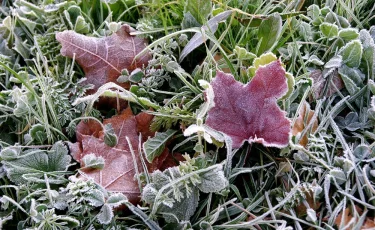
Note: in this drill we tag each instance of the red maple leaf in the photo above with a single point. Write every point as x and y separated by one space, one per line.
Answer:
103 59
250 112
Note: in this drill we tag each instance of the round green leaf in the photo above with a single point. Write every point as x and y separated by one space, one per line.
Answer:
329 30
349 34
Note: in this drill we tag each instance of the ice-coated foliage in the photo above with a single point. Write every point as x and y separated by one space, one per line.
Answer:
174 193
92 161
154 146
213 181
116 199
34 164
250 112
329 30
95 197
105 215
352 53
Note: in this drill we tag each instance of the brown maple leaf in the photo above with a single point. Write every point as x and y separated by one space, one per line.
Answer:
118 174
305 114
103 59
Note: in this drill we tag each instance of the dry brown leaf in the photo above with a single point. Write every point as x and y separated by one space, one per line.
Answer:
346 217
171 160
219 58
301 209
369 224
143 125
118 174
305 114
103 59
89 127
75 150
125 125
108 103
320 82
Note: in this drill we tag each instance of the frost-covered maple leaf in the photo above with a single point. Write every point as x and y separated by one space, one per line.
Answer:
103 59
118 173
250 112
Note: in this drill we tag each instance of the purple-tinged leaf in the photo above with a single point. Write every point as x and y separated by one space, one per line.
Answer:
198 38
250 112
